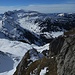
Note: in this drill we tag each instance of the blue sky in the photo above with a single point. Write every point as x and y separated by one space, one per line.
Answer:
33 2
46 6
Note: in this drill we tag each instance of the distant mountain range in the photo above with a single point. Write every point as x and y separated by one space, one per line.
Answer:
20 24
35 35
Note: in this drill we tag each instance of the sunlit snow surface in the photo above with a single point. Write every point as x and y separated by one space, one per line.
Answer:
13 51
35 28
56 34
41 48
24 22
43 71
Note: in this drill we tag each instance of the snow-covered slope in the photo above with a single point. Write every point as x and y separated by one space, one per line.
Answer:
21 31
17 24
11 52
13 47
20 24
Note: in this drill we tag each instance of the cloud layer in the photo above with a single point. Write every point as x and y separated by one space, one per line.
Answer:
53 8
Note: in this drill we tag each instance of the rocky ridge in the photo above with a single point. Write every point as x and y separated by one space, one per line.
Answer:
59 61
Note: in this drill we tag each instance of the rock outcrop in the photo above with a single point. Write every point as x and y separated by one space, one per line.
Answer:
66 58
63 49
60 59
29 62
34 67
56 45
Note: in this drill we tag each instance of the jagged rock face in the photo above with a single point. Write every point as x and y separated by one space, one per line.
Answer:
56 45
71 32
35 67
63 48
60 59
66 58
29 62
56 23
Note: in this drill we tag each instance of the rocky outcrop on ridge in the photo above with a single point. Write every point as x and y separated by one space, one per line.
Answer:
60 61
66 58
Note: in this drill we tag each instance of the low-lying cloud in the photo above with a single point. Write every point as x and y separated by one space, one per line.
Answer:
52 8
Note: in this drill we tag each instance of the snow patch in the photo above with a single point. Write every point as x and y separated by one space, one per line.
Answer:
61 14
43 71
56 34
41 48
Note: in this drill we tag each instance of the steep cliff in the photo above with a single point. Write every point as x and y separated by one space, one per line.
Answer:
63 49
66 58
34 63
60 59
